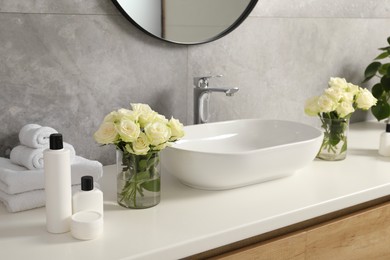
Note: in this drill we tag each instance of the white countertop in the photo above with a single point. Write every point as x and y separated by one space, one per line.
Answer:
190 221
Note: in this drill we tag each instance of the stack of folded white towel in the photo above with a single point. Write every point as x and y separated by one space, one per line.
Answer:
22 178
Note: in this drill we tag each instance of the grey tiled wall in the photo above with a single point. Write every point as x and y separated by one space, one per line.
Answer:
66 64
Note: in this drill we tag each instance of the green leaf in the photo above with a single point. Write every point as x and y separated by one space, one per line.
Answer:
383 68
142 165
344 147
382 55
385 48
385 82
152 161
153 185
377 90
388 71
381 110
371 70
334 135
142 176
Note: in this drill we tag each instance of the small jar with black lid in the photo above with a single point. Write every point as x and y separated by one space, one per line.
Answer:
88 198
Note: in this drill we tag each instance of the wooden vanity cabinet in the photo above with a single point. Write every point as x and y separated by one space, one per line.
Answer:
361 235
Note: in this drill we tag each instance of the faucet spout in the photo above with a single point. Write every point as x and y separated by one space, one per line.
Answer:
231 91
228 91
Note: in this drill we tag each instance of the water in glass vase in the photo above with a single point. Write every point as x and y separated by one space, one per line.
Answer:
138 180
334 146
131 195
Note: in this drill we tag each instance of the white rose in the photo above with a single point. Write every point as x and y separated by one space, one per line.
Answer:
177 131
111 117
365 99
128 130
311 106
126 114
348 97
161 146
345 108
334 93
106 134
326 104
157 133
139 107
351 88
144 112
338 83
160 118
140 146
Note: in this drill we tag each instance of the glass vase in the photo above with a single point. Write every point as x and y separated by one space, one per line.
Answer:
138 179
334 146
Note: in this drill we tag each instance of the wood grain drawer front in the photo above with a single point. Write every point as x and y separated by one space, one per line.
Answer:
288 248
364 235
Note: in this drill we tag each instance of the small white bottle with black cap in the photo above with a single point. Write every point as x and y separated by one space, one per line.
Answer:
384 144
58 189
88 198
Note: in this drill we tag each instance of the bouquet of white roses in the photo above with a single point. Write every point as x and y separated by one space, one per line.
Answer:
139 134
138 131
334 107
339 100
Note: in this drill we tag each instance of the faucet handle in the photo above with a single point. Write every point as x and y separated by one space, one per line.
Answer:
203 82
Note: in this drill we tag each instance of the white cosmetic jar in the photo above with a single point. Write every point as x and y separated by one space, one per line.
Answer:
86 225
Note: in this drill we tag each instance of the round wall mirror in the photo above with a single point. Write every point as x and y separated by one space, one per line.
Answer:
186 21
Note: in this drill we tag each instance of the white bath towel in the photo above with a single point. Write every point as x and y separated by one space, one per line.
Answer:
32 158
17 179
35 136
27 200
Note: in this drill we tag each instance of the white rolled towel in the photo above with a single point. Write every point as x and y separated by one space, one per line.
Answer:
32 158
35 136
27 200
17 179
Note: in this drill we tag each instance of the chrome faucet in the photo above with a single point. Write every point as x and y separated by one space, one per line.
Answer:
202 96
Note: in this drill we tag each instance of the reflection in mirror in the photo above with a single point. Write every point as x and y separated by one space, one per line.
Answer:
186 21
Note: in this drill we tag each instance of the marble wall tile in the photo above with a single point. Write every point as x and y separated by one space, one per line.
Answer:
67 63
62 7
68 71
278 63
319 8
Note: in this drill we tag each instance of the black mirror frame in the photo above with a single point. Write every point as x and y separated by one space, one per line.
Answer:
240 19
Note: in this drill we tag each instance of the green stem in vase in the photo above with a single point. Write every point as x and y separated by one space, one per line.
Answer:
143 176
334 133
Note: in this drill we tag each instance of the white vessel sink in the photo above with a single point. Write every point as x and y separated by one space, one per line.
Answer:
233 154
